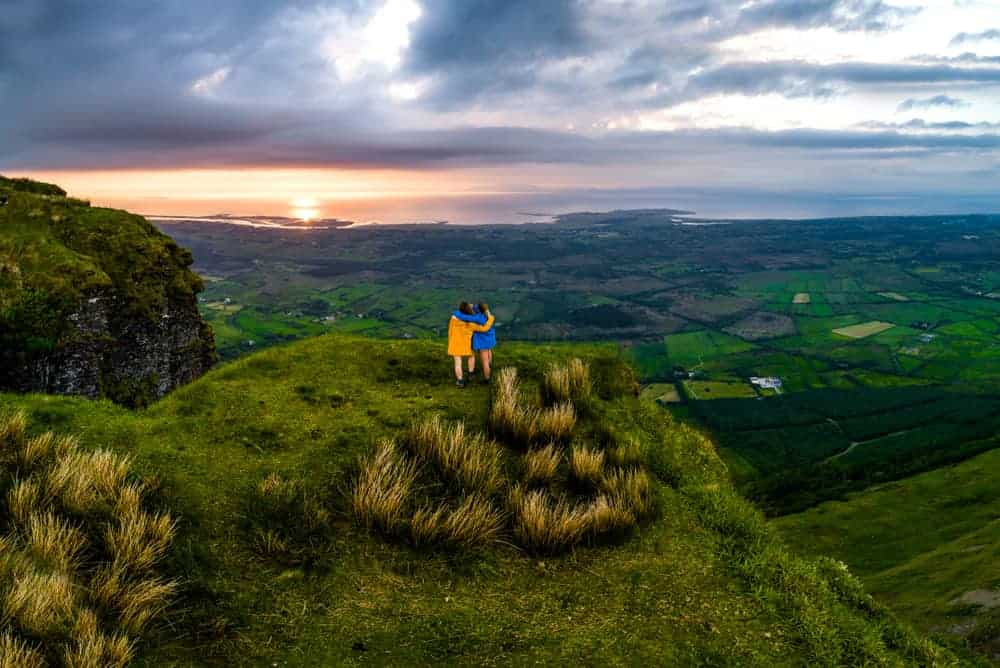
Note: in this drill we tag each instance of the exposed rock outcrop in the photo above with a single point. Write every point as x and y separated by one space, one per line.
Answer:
94 302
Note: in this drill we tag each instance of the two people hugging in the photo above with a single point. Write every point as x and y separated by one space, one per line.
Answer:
470 331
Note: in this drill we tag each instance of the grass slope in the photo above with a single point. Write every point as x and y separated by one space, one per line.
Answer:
707 583
920 544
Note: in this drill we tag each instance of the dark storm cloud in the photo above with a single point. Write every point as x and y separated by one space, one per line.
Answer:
930 102
477 47
964 37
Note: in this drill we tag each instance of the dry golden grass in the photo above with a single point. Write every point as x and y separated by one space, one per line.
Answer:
556 386
426 525
24 499
54 541
62 499
580 385
129 500
93 649
382 490
542 524
13 427
569 383
138 541
508 419
630 489
521 426
586 466
139 602
475 522
41 450
468 459
15 653
87 481
606 514
542 464
41 604
555 423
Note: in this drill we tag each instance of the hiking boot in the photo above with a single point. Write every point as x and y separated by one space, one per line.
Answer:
460 383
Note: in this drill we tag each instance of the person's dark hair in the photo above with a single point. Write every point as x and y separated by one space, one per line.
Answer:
466 308
483 307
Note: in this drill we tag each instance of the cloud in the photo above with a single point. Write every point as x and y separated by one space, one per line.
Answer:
429 84
850 15
965 37
921 124
797 78
929 102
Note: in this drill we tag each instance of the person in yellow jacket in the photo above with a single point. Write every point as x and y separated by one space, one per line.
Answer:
460 331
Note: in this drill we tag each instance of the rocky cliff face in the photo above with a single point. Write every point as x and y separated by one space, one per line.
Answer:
94 302
129 361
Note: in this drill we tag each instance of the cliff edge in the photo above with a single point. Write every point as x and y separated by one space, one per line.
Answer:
94 302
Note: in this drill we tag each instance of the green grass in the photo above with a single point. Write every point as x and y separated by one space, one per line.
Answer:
693 348
919 543
706 583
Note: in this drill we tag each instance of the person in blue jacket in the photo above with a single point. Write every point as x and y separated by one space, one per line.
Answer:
483 343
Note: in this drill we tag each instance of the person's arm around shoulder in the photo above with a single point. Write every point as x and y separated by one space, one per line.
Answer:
485 327
465 317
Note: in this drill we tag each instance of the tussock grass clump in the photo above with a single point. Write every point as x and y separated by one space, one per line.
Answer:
509 420
54 542
586 466
542 464
383 489
631 489
474 523
138 542
555 423
15 653
579 379
41 604
546 525
522 426
556 385
569 383
608 515
78 566
470 460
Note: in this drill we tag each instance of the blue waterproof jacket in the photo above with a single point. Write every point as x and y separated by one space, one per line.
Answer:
480 340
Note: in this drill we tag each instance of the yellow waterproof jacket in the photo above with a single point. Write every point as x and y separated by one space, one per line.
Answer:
460 335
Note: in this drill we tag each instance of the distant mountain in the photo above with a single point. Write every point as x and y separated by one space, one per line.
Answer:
94 301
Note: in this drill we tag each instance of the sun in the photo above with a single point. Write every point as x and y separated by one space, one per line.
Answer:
305 209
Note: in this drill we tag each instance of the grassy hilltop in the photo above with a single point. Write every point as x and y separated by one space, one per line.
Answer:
290 578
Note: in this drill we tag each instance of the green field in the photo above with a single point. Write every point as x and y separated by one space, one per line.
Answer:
693 349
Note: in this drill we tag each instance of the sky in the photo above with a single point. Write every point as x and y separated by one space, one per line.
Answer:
482 110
